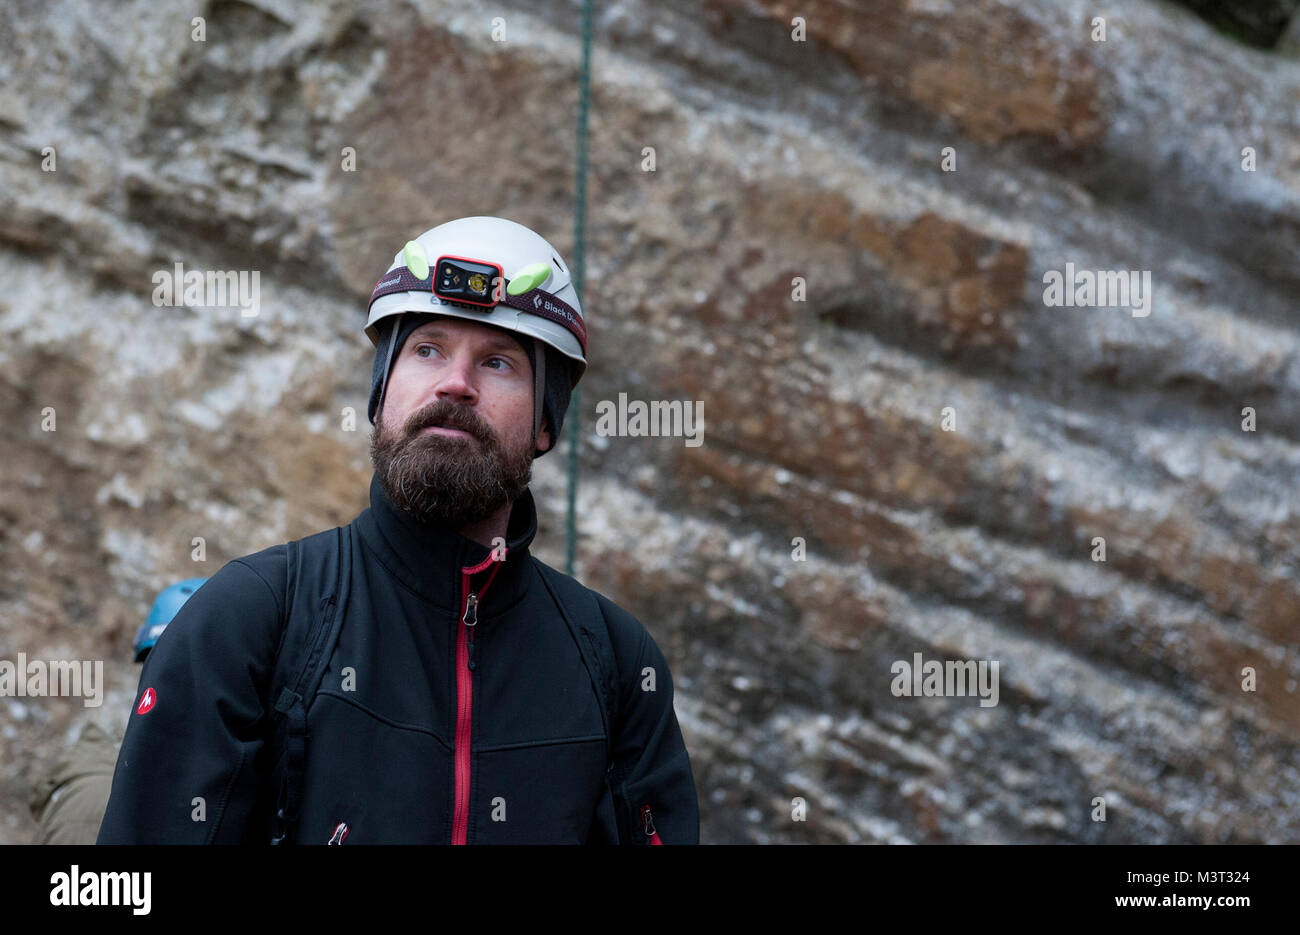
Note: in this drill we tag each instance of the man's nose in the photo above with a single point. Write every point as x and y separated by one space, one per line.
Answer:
457 380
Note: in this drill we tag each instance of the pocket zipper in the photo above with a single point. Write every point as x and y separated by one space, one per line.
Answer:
648 825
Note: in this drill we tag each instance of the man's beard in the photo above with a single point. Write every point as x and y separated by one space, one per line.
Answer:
444 480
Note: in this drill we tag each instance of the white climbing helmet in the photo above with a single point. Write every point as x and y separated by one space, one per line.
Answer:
489 270
492 271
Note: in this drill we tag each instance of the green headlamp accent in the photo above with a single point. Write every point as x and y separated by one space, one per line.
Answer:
530 277
415 259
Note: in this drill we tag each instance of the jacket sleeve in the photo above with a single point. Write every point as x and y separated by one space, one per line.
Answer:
187 772
651 771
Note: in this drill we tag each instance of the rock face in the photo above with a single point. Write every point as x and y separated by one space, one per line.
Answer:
942 449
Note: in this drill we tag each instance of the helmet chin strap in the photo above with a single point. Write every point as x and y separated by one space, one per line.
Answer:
539 388
383 386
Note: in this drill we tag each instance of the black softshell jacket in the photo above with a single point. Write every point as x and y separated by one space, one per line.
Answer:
423 730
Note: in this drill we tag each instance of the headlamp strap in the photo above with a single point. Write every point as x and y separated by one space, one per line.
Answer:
546 305
537 301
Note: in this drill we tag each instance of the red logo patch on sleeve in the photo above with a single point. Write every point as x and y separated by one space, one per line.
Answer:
146 701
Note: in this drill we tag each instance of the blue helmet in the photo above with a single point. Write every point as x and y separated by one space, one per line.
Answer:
165 607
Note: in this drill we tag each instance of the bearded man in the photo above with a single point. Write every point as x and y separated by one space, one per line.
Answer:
417 676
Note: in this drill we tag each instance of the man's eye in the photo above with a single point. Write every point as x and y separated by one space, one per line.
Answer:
499 360
422 348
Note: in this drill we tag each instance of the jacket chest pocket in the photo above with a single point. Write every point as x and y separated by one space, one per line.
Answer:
542 793
387 781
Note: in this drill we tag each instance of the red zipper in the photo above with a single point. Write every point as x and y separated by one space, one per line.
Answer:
465 665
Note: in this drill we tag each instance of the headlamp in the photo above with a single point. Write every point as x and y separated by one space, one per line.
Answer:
460 279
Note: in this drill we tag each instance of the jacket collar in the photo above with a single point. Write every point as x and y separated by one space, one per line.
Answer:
431 559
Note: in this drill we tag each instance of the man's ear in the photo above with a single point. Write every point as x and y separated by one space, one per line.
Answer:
544 440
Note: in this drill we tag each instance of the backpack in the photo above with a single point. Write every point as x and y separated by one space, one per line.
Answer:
319 569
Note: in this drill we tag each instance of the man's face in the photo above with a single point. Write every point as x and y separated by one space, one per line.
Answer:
453 442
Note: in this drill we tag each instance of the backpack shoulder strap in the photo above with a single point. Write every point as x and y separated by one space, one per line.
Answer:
318 569
586 622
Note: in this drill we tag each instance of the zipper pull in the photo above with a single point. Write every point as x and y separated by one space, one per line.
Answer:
470 619
648 826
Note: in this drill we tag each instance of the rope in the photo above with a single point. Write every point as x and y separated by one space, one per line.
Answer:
579 274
